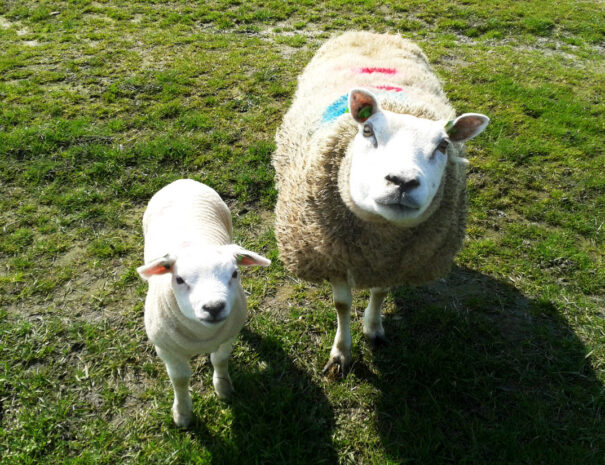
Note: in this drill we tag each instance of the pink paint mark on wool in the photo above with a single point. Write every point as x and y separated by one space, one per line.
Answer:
390 88
378 70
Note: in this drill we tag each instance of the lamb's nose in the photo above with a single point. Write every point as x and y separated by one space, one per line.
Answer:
405 184
214 308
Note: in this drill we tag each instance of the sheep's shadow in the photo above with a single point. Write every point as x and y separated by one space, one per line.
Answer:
280 415
475 372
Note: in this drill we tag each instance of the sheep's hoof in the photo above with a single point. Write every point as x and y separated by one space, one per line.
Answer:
182 420
223 388
377 341
337 367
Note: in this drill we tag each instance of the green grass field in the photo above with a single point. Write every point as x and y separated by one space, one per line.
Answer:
104 102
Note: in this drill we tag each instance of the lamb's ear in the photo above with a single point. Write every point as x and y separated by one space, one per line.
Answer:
466 126
158 266
245 257
362 104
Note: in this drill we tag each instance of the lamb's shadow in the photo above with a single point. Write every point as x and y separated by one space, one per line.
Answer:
280 415
477 373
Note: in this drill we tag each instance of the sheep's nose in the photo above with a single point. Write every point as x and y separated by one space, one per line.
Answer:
404 184
214 308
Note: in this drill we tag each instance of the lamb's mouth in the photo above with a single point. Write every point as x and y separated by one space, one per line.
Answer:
212 321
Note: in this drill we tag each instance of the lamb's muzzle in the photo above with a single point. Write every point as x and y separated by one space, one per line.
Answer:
211 312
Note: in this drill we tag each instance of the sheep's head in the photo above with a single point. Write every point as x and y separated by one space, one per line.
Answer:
205 280
397 161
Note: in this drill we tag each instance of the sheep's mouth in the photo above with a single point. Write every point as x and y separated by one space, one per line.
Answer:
402 208
399 200
212 321
399 205
399 212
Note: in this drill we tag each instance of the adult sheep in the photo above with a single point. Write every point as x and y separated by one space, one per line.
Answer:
370 176
195 302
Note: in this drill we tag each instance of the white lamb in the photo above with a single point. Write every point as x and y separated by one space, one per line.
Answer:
370 175
195 303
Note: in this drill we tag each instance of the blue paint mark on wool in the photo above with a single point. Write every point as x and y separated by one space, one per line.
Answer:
340 106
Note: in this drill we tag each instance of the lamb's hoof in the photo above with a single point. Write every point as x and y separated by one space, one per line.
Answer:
223 388
337 367
182 419
377 341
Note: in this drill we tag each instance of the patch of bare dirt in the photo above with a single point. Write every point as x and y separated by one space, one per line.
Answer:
5 24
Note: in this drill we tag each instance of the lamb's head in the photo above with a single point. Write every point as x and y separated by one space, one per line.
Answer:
398 161
205 280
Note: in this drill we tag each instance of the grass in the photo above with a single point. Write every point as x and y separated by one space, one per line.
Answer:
103 103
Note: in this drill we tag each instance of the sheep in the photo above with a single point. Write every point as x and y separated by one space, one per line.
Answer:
195 302
370 175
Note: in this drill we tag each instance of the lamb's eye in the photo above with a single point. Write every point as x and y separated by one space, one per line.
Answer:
179 280
235 274
368 131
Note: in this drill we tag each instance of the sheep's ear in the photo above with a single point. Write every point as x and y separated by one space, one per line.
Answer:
466 126
245 257
158 266
362 104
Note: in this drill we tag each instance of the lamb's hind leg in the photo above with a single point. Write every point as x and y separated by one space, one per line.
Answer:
179 372
372 321
340 355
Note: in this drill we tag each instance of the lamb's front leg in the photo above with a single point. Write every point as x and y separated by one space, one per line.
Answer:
372 321
220 362
340 355
179 372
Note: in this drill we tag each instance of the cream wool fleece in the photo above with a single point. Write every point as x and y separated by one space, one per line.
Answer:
318 235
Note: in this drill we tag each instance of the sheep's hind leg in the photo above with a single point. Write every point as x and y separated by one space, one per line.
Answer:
340 355
220 362
179 372
372 321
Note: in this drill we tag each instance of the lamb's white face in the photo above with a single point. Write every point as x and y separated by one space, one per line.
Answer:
205 280
398 161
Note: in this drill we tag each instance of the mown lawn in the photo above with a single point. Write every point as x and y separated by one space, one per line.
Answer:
104 102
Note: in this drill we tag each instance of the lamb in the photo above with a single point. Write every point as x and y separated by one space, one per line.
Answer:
195 302
370 175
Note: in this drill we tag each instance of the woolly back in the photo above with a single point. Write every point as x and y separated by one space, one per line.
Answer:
185 211
394 69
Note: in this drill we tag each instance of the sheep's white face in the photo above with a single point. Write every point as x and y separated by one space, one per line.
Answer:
398 161
397 165
205 280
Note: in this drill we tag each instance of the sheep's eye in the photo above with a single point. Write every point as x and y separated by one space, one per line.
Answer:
179 280
442 147
234 275
368 131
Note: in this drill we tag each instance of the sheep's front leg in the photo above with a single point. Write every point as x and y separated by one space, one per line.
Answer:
221 378
179 372
372 321
340 355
